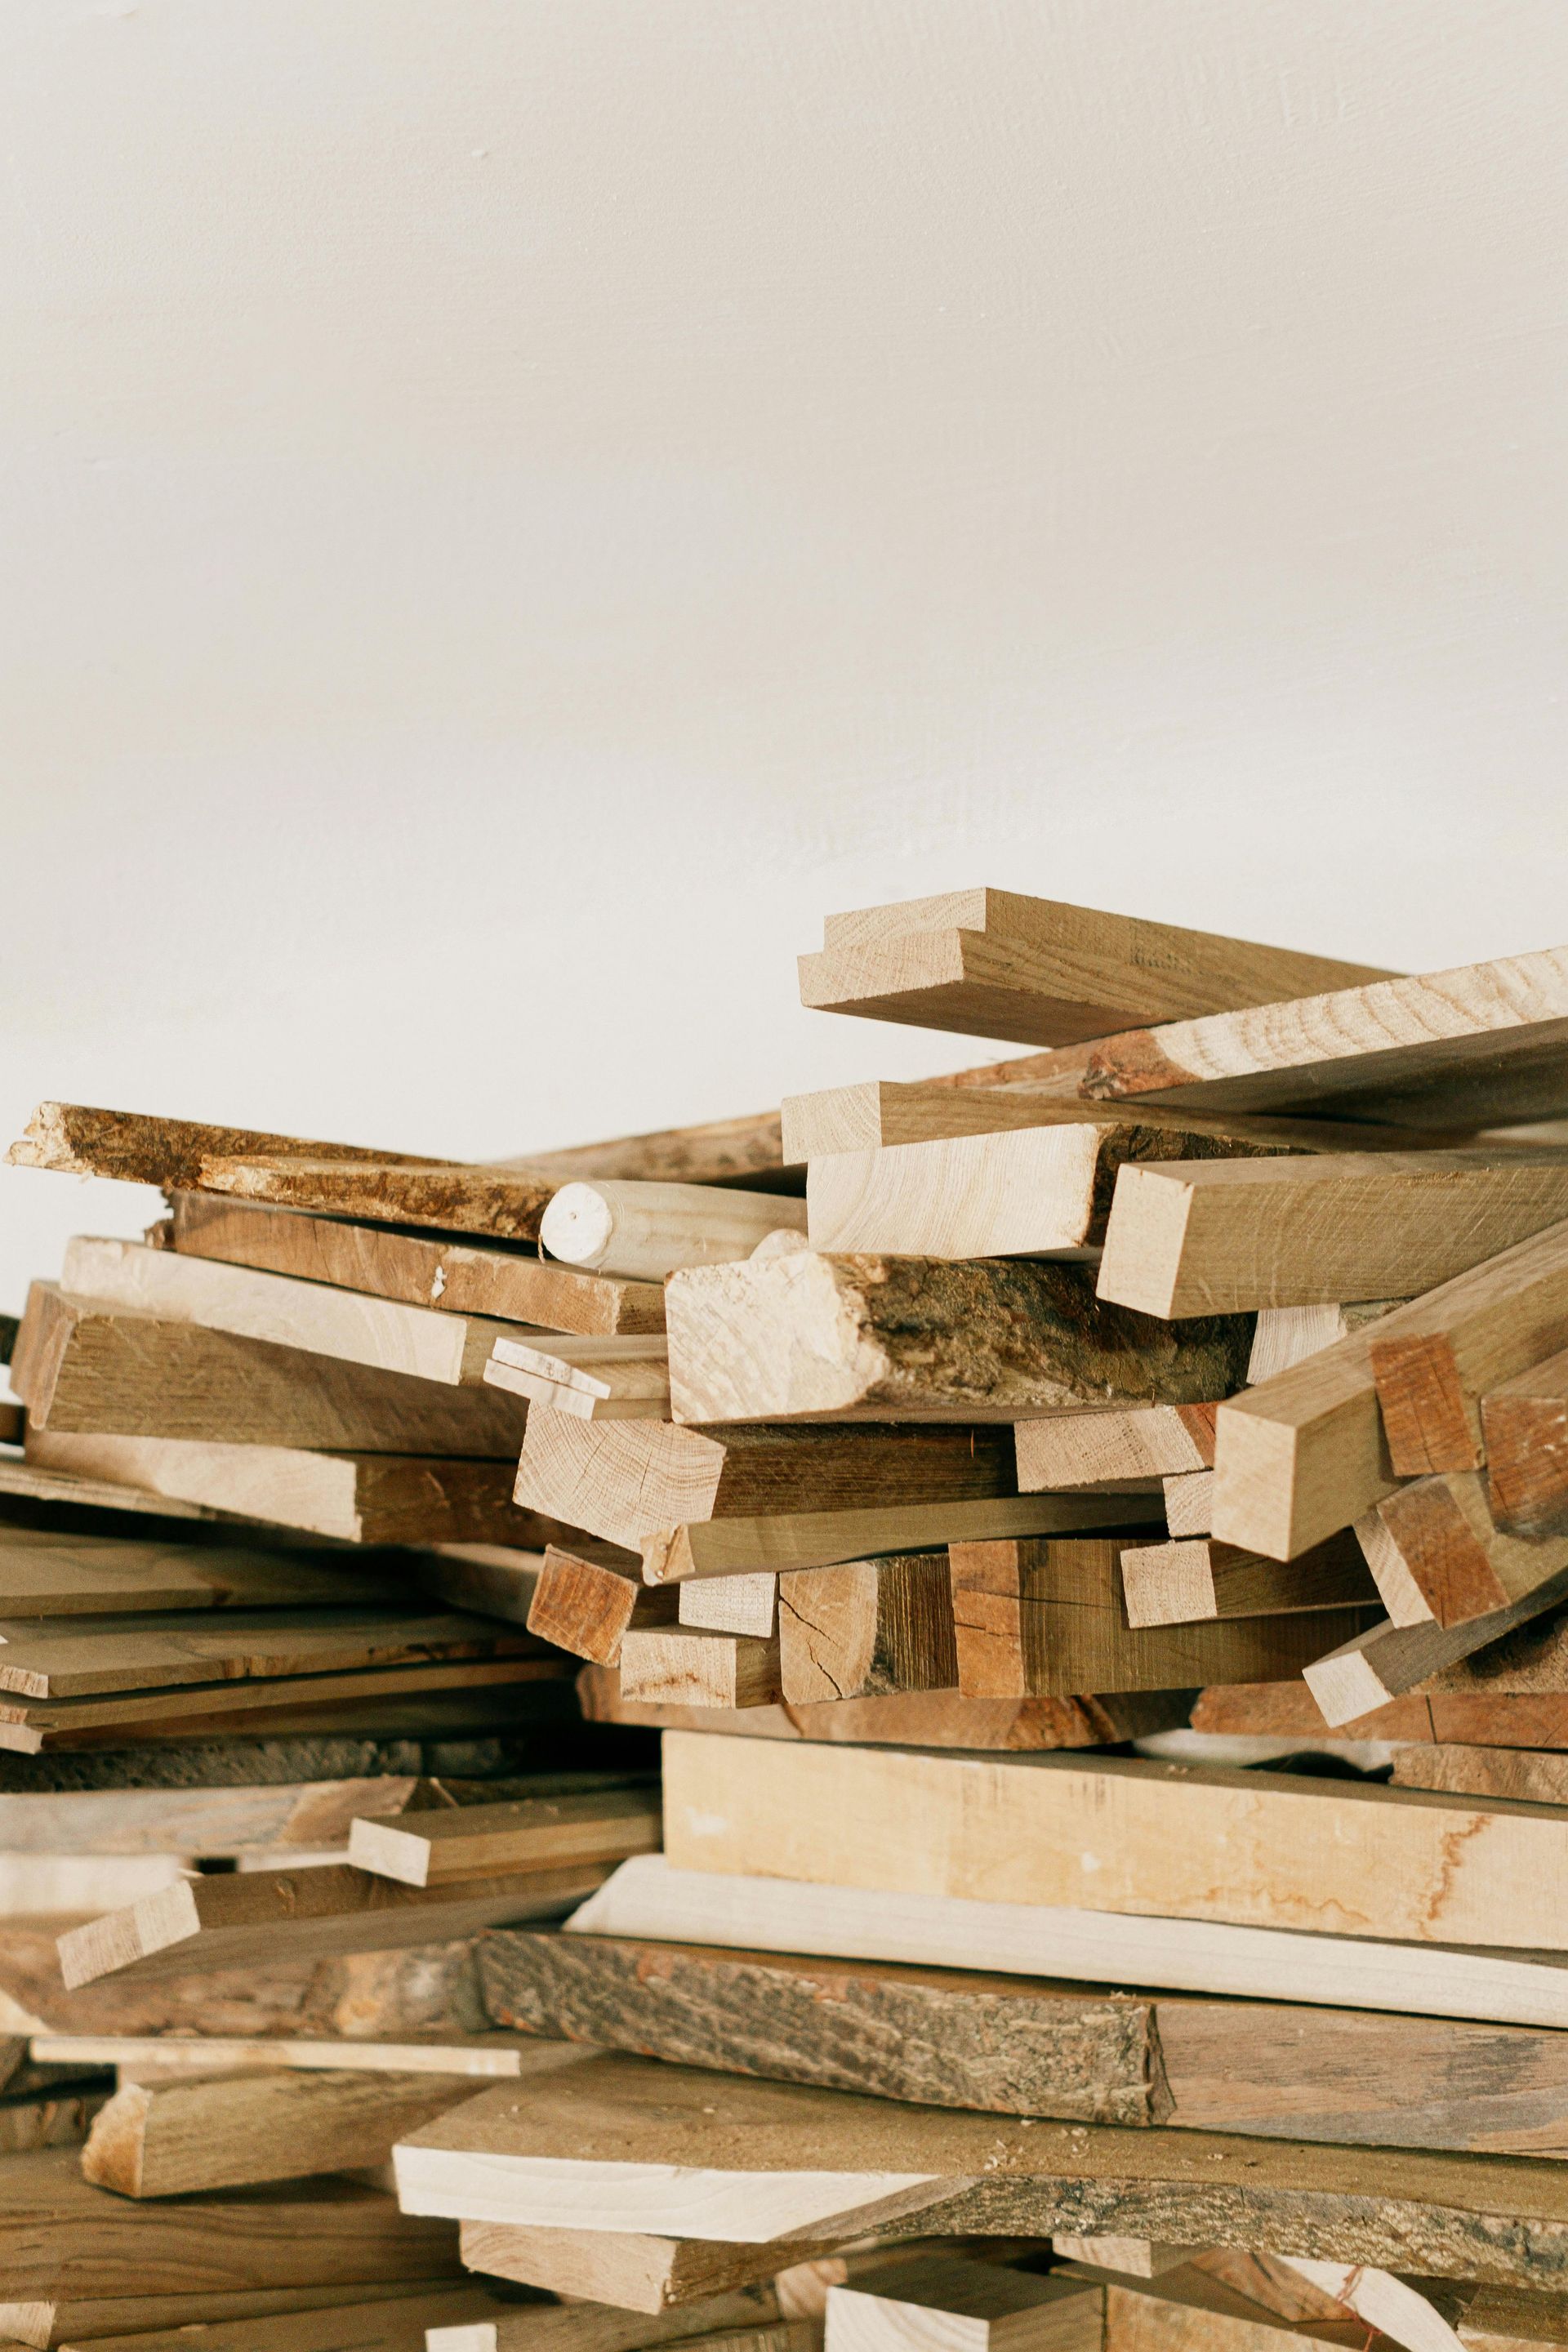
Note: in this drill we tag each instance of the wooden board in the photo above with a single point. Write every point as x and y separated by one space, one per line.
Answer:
634 2144
380 1499
590 1595
57 2322
432 1849
623 1390
1215 1236
1189 1503
714 1151
122 1653
883 1339
231 1921
995 963
1481 1043
1046 1618
1286 1335
46 1573
651 1899
302 1816
1463 1704
1306 1453
1524 1432
866 1628
730 1604
496 1579
500 1201
1388 1659
668 1664
476 2056
60 2237
593 2327
142 1150
1183 1582
1032 1190
805 1540
951 2303
123 1372
1440 1556
423 1343
402 2325
623 1483
1530 1775
1180 1841
1137 1445
459 1278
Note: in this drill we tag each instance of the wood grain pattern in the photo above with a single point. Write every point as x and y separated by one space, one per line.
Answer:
1502 1698
1183 1582
1528 1775
647 1231
730 1604
45 1572
58 2322
122 1653
590 1595
1189 1503
1524 1432
807 1539
501 1202
866 1628
402 2325
910 1338
949 2302
687 2284
1138 1444
1440 1556
1286 1335
669 1665
542 1832
715 1151
139 1148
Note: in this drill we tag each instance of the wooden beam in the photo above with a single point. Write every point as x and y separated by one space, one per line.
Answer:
1189 1502
1480 1044
1123 1835
1440 1556
807 1539
651 1899
590 1595
499 1202
1530 1775
715 1151
126 1654
419 1342
138 1148
649 1231
45 1572
624 1482
1462 1705
730 1604
688 2279
1524 1431
1047 1618
866 1628
61 2237
949 2303
433 1849
668 1664
377 1498
1184 1582
1134 1445
1306 1455
1215 1235
995 963
232 1921
468 2057
302 1816
633 2143
1286 1335
1387 1660
407 2324
459 1278
885 1338
634 1388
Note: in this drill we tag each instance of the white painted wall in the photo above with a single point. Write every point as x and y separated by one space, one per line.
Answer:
513 508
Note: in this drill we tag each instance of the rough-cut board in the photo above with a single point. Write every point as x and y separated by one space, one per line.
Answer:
866 1628
460 1277
49 1573
123 1372
1501 1699
805 1540
1388 1659
590 1595
229 1921
949 2303
1524 1428
1181 1840
1045 1618
1139 1444
995 963
319 1317
1142 2318
668 1666
918 1719
1306 1453
622 1483
378 1498
593 2329
1032 1192
623 2143
1481 1043
496 1579
444 2314
504 1203
60 2237
884 1338
1286 1335
1215 1236
432 1849
730 1604
1440 1556
80 1142
718 1152
650 1899
1181 1583
307 1817
120 1653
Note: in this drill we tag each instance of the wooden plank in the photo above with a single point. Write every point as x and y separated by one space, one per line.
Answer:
139 2058
49 1573
1183 1841
948 2303
589 1596
632 2143
495 1580
1480 1044
501 1202
666 1665
125 1373
1524 1430
594 2329
406 2325
714 1151
688 2284
28 1483
1215 1236
995 963
888 1339
1182 1583
1046 1618
1440 1556
1388 1659
1032 1190
378 1498
1140 2318
1287 1336
807 1539
305 1816
231 1921
866 1628
631 1388
1136 1445
459 1278
622 1483
122 1653
58 2322
231 2131
142 1150
423 1343
730 1604
1528 1775
432 1849
651 1899
1306 1455
60 2237
647 1231
1462 1705
1189 1503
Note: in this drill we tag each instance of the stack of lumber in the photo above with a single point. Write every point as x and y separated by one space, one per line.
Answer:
1090 1535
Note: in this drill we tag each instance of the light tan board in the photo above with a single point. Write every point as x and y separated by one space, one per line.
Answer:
472 2057
1185 1842
49 1573
1440 1556
301 1816
433 1849
459 1278
667 1666
730 1604
1186 1582
950 2304
1388 1659
647 1231
89 1659
1139 1444
804 1539
1189 1503
1286 1335
66 2322
995 963
404 2326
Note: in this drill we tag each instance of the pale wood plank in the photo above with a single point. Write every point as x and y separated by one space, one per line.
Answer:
807 1539
406 2325
1183 1582
122 1653
1189 1502
668 1665
58 2322
1287 1336
45 1572
730 1604
433 1849
947 2302
1137 1444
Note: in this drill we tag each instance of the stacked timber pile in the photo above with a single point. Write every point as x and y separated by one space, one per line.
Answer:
1092 1534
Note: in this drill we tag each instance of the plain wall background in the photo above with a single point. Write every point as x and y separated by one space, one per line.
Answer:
514 508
